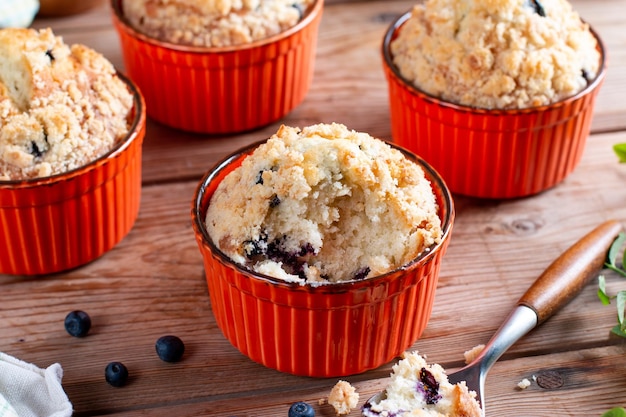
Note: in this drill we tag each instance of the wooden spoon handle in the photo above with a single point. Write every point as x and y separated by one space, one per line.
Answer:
569 273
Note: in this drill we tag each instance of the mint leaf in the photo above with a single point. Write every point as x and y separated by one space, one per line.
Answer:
618 331
621 306
615 412
620 151
615 249
602 295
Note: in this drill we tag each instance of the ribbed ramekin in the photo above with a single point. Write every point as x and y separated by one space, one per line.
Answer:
64 221
221 90
327 330
491 153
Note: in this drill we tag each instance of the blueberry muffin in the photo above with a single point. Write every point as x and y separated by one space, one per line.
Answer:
324 204
213 23
419 389
61 106
496 54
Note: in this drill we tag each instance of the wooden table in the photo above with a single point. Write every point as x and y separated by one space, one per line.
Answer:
152 283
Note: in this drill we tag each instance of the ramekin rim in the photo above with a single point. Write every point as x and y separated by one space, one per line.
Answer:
388 62
305 21
198 223
139 119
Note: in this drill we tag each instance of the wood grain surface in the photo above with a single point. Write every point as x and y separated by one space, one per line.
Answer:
153 282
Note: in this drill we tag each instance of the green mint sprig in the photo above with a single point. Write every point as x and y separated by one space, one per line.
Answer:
620 151
615 412
616 263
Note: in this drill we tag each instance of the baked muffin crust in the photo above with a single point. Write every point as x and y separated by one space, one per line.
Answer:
61 106
324 204
497 54
213 23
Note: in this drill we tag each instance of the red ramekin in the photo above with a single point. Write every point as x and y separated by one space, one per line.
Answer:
491 153
327 330
64 221
218 90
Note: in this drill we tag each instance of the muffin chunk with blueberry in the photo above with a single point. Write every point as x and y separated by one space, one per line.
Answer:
419 389
61 106
324 204
213 23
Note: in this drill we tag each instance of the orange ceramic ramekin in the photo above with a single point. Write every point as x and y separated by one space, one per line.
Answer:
327 330
63 221
226 89
490 153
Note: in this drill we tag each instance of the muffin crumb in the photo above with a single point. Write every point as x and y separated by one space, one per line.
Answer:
343 397
473 353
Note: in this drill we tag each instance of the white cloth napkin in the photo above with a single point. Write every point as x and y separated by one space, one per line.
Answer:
28 391
17 13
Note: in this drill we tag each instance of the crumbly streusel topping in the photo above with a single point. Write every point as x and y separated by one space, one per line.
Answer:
498 54
60 106
324 204
213 23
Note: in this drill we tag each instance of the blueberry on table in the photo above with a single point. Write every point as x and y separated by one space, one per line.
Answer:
77 323
301 409
116 374
170 348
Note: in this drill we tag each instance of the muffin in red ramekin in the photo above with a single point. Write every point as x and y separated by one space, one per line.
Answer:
493 152
61 222
71 132
313 325
221 89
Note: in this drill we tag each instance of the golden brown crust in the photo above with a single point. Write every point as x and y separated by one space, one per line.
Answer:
498 53
213 23
341 204
60 106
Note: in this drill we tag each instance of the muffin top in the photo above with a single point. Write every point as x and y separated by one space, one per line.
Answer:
324 204
61 107
213 23
496 54
421 389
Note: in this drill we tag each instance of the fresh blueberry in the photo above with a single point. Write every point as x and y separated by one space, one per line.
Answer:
116 374
299 8
77 323
170 348
301 409
430 387
362 273
538 7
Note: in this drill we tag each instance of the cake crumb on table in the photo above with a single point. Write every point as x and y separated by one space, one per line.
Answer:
343 397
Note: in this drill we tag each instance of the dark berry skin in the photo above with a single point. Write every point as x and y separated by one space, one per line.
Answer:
77 323
301 409
170 348
116 374
430 387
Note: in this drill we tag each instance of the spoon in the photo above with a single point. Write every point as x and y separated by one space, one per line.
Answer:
554 288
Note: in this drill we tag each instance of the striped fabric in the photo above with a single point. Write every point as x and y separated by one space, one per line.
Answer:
17 13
